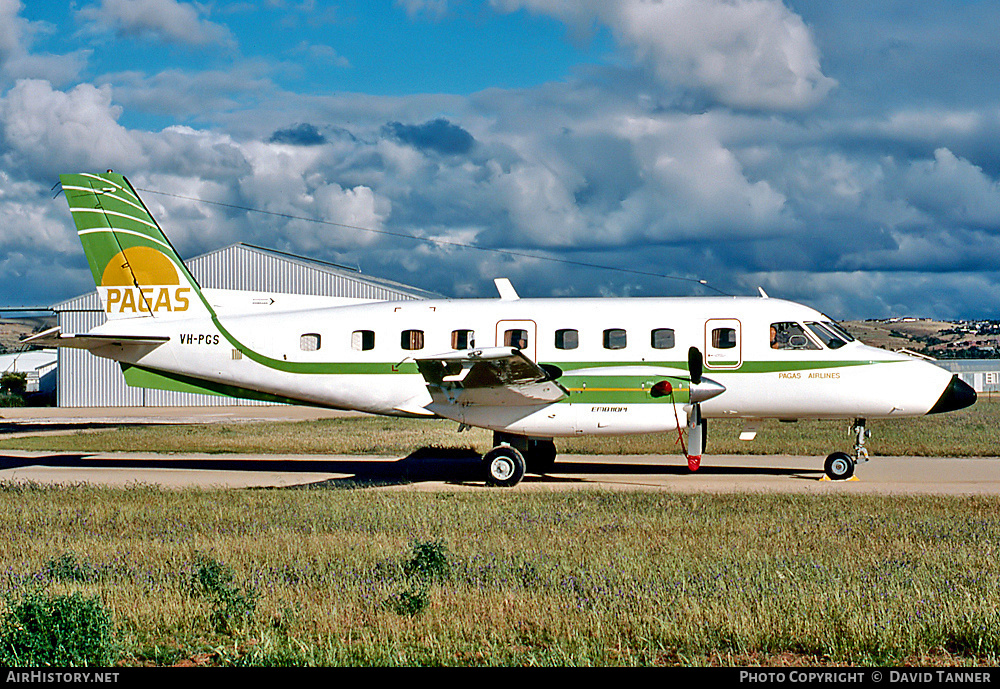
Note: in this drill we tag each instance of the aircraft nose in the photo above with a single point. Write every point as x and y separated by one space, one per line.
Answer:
958 395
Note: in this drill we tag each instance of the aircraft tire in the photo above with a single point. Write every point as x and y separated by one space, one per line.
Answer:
839 466
505 467
541 456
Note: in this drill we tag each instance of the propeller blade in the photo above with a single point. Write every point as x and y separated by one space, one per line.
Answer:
694 365
697 431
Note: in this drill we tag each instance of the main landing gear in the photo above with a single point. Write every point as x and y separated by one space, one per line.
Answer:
515 455
839 466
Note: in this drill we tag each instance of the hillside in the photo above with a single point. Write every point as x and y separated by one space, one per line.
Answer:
939 339
12 330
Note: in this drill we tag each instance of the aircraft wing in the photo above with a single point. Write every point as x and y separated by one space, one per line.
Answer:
494 376
53 337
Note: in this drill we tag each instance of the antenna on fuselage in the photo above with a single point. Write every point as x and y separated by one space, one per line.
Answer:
506 289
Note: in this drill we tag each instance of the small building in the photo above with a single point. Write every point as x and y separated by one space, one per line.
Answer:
85 380
982 374
39 367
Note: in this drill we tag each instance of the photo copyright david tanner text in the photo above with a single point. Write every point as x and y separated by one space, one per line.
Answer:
863 676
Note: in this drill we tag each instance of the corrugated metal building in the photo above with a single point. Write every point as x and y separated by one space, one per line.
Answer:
89 381
982 374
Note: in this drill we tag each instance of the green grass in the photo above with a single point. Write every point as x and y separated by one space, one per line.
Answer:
969 432
357 577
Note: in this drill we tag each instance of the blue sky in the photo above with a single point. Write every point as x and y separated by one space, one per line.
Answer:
844 155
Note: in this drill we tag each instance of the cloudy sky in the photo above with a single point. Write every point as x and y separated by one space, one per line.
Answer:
842 154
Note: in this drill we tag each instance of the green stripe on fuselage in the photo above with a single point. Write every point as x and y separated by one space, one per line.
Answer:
139 377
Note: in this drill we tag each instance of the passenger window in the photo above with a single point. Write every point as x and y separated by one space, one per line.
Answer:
724 338
362 340
788 335
309 342
411 339
614 338
463 339
516 338
662 338
567 339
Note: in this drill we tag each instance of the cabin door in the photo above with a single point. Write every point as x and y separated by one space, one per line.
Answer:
723 344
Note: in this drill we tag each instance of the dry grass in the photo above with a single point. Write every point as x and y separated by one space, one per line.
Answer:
583 578
579 578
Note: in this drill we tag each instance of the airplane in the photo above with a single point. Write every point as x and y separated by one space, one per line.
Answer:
530 370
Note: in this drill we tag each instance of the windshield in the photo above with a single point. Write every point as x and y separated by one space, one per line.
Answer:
789 335
823 333
835 327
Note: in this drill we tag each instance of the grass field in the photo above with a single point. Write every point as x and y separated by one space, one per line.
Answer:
349 576
969 432
340 577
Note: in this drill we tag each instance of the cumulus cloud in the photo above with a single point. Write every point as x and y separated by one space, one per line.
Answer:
17 61
302 134
438 135
47 131
767 180
952 188
169 21
183 94
753 54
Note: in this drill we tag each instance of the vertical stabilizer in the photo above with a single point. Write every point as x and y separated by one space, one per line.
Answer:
137 272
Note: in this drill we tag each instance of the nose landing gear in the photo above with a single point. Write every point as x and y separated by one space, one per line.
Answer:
839 466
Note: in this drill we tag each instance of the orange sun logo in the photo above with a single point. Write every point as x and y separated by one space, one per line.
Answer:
142 281
149 266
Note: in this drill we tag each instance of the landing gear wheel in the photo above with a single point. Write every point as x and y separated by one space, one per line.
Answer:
839 466
541 456
504 466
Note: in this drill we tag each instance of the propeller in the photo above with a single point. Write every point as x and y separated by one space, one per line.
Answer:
697 425
695 365
701 389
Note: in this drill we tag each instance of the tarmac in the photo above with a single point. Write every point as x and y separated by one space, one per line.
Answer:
430 470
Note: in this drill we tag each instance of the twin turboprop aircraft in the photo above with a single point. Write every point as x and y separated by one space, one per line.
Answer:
530 370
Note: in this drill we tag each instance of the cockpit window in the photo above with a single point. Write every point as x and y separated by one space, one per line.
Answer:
829 338
789 335
839 331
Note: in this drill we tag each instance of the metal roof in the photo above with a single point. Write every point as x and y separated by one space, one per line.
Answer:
257 269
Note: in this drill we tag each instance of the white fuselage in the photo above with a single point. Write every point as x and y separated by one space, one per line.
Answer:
607 353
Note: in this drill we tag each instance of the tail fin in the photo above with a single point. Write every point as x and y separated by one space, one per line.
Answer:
137 271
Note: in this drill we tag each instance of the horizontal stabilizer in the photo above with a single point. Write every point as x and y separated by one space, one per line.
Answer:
53 337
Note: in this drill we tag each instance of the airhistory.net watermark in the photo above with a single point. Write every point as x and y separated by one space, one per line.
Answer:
61 677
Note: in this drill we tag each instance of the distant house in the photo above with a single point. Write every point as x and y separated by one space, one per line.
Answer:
39 367
85 380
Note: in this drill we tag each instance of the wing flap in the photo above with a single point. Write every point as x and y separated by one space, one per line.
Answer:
496 376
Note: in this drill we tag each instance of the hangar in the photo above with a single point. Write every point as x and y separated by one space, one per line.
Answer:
85 380
982 374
